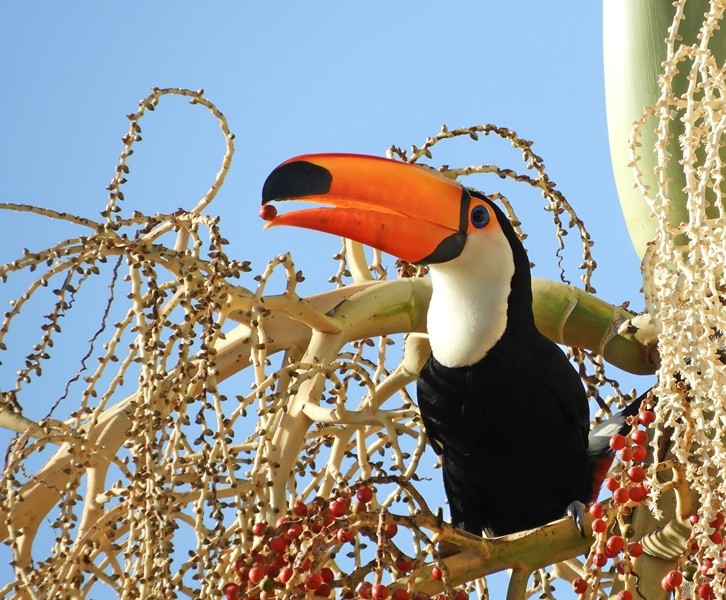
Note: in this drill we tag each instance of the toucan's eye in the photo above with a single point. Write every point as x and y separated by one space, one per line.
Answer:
479 216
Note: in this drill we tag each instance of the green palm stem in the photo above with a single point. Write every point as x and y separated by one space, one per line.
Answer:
634 50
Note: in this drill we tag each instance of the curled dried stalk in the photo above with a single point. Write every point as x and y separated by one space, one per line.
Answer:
557 203
214 405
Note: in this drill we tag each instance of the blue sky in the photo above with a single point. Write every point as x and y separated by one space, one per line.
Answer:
295 78
292 78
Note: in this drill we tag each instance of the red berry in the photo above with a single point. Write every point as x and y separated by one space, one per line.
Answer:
621 495
600 559
294 531
231 591
272 571
718 522
617 442
636 474
716 537
639 437
400 594
597 510
639 453
610 554
624 595
313 581
239 566
338 507
285 574
278 544
316 526
579 586
327 574
612 484
671 581
614 545
705 592
646 417
420 596
256 574
693 519
280 522
437 573
379 592
365 589
598 525
268 212
625 454
461 595
300 509
323 591
623 566
635 549
259 529
389 529
344 535
404 565
364 494
638 493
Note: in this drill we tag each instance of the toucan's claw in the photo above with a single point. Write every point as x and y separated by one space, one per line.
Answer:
576 511
439 517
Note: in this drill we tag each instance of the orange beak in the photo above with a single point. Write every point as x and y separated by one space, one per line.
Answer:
409 211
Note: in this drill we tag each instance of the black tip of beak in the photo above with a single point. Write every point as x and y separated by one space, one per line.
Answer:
296 180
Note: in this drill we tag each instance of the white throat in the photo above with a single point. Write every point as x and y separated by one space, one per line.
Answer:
468 310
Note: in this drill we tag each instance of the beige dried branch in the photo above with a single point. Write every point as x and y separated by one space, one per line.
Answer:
401 295
176 452
557 203
684 271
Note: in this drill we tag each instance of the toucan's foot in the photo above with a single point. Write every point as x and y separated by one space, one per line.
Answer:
576 511
439 517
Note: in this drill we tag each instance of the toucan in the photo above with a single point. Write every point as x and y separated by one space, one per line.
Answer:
500 402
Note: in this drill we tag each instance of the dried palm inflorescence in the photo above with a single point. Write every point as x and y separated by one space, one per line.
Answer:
684 275
184 437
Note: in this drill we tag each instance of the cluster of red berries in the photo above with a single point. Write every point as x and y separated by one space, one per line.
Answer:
614 544
669 583
279 562
704 591
627 488
580 587
609 549
632 451
285 559
708 569
716 536
369 591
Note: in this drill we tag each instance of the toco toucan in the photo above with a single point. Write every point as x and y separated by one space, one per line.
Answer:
500 402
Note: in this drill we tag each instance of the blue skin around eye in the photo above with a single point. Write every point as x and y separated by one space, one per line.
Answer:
479 216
